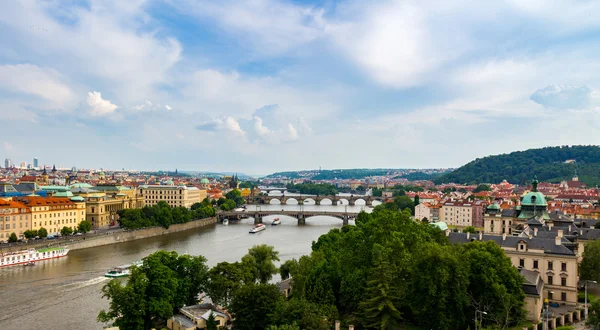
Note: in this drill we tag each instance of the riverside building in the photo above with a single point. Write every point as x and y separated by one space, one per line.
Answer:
173 195
54 213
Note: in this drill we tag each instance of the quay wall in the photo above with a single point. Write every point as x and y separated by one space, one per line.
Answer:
116 236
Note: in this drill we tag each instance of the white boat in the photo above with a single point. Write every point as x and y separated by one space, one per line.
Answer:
121 271
276 222
257 228
225 222
27 257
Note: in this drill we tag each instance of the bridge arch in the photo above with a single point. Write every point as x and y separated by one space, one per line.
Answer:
327 201
273 201
343 201
310 200
291 201
360 201
376 202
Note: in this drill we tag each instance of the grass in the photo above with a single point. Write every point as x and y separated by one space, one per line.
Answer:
581 296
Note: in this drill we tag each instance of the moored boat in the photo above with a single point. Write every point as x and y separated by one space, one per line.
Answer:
225 222
257 228
31 256
276 222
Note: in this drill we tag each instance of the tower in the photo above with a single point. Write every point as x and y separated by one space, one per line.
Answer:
35 162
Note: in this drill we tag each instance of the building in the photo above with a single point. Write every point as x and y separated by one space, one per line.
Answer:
35 162
15 218
548 256
195 317
54 213
427 211
533 287
8 163
498 221
173 195
462 213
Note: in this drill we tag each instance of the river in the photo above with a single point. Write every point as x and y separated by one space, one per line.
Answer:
65 293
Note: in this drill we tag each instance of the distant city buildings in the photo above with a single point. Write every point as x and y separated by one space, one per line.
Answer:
35 162
8 163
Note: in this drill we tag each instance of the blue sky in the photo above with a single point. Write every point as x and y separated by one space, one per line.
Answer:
258 86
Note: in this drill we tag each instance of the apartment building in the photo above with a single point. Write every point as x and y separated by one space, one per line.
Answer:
497 221
462 213
173 195
54 213
15 218
428 211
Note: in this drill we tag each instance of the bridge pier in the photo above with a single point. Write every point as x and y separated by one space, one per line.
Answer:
257 219
351 202
317 201
301 220
345 220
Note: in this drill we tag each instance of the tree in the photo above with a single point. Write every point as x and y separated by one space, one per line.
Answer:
13 238
589 269
593 320
597 225
469 229
482 187
30 233
305 314
224 279
66 231
287 268
42 232
260 260
404 202
252 304
417 200
284 327
84 226
211 323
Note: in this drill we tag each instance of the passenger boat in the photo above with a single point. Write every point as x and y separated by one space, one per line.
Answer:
31 256
257 228
276 222
121 271
225 222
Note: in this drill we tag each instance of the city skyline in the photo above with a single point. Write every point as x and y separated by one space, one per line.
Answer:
266 86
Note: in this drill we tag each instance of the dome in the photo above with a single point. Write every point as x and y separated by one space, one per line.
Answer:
494 206
440 225
204 181
169 183
534 198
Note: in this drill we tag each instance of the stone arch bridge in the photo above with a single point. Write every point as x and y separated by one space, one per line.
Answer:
335 200
300 215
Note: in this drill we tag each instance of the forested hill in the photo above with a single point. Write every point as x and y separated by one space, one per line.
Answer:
550 164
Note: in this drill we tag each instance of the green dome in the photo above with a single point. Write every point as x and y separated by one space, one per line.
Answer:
440 225
534 198
204 181
169 183
494 206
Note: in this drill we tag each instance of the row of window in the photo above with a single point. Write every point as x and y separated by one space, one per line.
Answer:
56 215
563 296
14 225
55 222
563 265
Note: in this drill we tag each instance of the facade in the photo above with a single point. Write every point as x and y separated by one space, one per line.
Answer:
15 218
54 213
462 213
497 221
427 210
174 195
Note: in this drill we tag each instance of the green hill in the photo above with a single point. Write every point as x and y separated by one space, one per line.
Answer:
548 164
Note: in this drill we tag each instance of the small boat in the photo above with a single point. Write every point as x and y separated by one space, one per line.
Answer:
31 263
225 222
121 271
257 228
276 222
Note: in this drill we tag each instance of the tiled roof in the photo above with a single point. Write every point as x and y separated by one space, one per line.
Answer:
546 244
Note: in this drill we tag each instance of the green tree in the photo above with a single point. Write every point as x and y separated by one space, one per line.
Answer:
593 320
404 202
260 260
224 279
84 226
42 232
30 234
66 231
469 229
252 304
128 308
482 187
211 323
305 314
287 268
417 201
597 225
284 327
13 238
589 269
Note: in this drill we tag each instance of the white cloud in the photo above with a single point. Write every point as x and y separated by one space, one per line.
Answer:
7 146
169 108
31 79
292 133
227 124
565 96
262 131
98 105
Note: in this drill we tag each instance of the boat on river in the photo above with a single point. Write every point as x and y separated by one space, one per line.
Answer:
31 256
121 271
257 228
225 222
276 222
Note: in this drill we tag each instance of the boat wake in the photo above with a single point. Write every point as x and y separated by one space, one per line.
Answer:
90 282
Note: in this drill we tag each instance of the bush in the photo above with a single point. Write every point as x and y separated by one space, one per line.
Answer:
13 238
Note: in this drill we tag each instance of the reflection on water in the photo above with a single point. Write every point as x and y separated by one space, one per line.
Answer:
65 293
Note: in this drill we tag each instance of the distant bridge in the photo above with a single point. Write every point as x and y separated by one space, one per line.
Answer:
270 189
335 200
300 215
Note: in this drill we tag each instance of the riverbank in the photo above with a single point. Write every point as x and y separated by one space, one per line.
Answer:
115 236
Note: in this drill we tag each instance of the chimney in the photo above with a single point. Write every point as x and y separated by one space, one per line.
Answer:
448 232
569 228
560 233
535 230
468 235
558 240
481 236
504 237
337 325
549 225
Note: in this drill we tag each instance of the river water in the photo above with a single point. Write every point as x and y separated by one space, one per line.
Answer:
65 293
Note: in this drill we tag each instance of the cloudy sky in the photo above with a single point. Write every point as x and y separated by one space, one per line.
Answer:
263 85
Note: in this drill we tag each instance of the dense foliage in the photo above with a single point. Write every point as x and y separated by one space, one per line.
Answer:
589 269
155 290
417 176
163 215
518 167
399 190
322 189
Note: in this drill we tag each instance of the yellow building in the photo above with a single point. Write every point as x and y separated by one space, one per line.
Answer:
15 218
245 192
104 201
174 195
54 213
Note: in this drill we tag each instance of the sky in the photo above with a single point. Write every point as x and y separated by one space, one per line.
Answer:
259 86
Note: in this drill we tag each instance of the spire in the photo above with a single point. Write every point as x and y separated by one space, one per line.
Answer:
54 168
44 173
534 184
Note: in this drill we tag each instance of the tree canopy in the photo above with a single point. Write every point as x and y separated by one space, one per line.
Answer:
163 215
322 189
589 269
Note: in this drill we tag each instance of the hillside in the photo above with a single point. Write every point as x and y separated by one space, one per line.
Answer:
549 164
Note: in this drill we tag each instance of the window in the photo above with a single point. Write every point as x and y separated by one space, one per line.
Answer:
563 266
535 264
563 296
549 295
563 281
550 265
522 262
549 279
